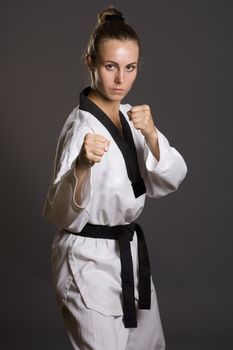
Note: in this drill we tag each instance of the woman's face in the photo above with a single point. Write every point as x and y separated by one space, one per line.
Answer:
115 68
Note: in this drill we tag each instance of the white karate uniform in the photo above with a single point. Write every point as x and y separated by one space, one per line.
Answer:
87 271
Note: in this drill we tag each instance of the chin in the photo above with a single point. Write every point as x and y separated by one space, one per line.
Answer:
114 98
117 97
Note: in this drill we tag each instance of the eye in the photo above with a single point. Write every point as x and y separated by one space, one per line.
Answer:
130 67
110 66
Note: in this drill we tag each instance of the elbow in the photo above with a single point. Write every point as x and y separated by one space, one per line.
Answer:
178 176
161 185
182 172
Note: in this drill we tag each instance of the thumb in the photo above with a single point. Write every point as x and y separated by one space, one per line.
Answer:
107 143
129 114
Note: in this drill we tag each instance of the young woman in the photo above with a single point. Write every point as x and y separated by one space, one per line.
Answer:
109 157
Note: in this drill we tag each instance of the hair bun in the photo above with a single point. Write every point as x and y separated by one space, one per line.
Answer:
110 14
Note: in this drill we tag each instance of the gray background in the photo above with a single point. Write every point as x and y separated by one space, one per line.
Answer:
186 78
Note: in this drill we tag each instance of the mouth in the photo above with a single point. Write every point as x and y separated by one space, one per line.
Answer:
118 91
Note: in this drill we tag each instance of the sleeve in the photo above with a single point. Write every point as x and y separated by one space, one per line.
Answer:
60 205
163 176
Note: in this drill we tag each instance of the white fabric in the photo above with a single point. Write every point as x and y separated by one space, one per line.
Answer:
107 199
99 332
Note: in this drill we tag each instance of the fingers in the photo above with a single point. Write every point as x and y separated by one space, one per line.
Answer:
142 119
93 149
138 113
140 108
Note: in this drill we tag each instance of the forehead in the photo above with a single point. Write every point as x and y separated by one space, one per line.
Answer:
125 51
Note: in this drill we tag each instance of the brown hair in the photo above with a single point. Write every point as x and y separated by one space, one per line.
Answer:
110 25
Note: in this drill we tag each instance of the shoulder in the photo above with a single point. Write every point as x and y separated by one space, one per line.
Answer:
77 120
78 116
75 127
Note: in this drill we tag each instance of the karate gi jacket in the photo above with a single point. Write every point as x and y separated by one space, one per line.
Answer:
107 199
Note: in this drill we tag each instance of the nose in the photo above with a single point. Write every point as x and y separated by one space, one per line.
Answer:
119 77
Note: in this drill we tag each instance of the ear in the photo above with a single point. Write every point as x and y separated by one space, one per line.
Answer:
89 62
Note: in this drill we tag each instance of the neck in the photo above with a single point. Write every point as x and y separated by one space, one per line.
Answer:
111 108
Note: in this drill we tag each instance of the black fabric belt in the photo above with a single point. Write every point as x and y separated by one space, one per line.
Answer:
124 234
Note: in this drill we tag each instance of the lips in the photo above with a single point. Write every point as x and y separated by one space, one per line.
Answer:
119 91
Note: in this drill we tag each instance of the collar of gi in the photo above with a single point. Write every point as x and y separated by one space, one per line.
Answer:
125 144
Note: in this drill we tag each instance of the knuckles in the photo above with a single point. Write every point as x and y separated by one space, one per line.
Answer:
140 108
93 148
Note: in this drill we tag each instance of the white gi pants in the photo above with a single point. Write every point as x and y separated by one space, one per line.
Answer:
91 330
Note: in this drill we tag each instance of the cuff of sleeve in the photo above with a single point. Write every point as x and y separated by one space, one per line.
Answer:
152 164
85 190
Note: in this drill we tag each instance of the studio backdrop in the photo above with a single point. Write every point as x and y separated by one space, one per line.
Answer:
186 78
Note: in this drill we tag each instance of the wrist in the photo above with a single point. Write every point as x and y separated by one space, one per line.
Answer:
81 164
152 135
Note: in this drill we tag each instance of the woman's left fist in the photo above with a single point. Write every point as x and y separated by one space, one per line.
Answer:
142 119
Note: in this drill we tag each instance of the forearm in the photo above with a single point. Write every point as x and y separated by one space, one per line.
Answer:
81 171
153 144
165 175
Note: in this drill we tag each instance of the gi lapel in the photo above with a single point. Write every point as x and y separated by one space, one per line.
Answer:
126 145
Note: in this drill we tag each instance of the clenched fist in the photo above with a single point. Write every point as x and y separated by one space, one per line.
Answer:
142 120
93 148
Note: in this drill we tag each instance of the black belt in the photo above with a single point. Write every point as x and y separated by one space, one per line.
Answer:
124 234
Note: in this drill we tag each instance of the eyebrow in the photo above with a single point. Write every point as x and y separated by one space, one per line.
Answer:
128 64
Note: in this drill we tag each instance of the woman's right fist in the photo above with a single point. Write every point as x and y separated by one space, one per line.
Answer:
93 148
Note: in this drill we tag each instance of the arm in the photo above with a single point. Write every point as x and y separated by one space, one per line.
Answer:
163 176
153 144
69 193
143 121
93 148
61 206
164 167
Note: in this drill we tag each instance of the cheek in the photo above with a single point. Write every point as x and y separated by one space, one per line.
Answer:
132 79
102 78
